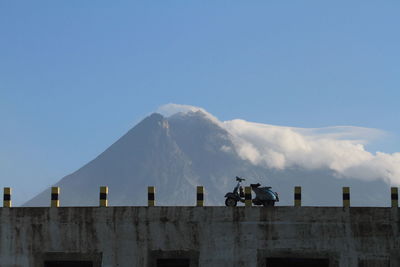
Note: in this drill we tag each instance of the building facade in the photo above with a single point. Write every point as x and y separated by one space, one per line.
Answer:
199 237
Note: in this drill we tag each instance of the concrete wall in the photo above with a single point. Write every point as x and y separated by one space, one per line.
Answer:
210 236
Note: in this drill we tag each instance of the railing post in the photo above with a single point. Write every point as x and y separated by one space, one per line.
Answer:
103 196
151 191
247 196
7 197
297 196
395 197
200 196
55 192
346 197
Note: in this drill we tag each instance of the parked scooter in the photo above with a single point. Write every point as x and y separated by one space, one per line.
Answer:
264 195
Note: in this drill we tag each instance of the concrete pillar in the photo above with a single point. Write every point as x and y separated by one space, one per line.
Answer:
395 197
7 197
200 196
247 196
55 192
346 197
151 191
297 196
103 196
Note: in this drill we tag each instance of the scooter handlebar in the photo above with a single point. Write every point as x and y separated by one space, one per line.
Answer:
239 179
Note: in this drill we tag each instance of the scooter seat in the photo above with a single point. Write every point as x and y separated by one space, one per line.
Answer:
265 187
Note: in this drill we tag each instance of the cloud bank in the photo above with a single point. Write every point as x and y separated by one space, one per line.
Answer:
340 149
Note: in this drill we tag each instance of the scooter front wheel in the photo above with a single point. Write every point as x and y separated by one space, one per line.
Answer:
230 202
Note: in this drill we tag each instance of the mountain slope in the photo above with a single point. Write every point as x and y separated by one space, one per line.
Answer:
187 149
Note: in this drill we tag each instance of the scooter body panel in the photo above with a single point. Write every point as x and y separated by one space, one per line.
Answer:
265 193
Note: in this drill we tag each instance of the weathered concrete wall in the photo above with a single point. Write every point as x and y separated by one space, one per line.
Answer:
216 236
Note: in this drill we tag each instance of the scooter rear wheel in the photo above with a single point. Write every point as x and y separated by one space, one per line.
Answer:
230 202
269 203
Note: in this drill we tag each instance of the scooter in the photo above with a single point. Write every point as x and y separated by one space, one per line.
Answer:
264 195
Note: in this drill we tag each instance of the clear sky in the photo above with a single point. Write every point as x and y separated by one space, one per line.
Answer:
76 75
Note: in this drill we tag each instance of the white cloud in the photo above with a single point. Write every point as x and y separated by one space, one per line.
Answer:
171 109
340 148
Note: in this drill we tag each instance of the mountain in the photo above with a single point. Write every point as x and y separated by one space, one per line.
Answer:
186 149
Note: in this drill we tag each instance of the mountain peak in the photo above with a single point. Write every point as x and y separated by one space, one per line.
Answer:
176 110
156 116
198 115
152 121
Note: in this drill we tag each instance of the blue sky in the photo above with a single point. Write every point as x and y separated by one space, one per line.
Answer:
76 75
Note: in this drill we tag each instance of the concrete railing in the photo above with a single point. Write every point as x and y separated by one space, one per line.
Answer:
151 196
